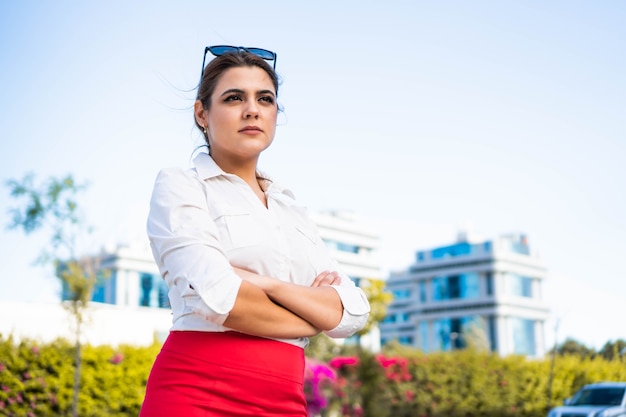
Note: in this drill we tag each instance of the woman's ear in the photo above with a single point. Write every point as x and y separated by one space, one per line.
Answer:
200 113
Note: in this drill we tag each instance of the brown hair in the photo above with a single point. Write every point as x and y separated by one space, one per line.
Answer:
214 70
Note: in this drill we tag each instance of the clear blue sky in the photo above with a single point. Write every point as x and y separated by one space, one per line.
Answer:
422 115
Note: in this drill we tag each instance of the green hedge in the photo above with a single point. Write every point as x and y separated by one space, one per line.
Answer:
36 379
403 382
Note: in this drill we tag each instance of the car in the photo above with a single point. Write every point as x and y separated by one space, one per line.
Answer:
602 399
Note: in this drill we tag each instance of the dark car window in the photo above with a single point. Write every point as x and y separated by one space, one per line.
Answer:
599 396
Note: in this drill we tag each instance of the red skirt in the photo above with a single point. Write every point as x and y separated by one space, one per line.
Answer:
208 374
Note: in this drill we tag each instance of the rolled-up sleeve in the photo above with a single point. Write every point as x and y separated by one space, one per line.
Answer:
186 247
356 309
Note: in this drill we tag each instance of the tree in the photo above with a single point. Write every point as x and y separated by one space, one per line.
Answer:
576 348
475 335
613 350
379 300
52 207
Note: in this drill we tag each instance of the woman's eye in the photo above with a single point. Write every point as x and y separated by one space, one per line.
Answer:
267 99
233 97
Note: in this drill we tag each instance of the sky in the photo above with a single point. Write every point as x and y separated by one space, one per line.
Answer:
425 118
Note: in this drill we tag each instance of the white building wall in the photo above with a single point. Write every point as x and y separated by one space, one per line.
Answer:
104 323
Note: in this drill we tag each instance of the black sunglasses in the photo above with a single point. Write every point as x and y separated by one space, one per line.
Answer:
218 50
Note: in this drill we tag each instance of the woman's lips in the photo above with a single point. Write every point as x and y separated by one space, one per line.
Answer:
251 130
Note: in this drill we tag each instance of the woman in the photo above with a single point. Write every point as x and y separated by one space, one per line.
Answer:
249 278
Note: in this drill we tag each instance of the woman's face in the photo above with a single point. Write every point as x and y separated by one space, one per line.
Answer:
241 120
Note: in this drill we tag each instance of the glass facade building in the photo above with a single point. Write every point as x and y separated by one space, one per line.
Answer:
485 294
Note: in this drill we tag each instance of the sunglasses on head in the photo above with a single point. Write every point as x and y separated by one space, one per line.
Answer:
218 50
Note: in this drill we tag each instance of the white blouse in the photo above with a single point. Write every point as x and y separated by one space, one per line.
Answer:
204 221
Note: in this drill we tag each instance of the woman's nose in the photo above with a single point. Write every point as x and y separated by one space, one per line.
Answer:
251 111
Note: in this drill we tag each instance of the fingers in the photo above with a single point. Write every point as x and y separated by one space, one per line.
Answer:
327 278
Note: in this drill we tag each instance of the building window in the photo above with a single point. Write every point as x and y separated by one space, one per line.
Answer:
520 246
456 333
398 318
463 286
146 290
442 334
153 291
489 283
405 340
458 249
402 294
523 336
520 286
390 319
164 300
100 287
342 246
422 288
424 336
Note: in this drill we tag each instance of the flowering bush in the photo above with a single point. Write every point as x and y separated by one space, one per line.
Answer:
347 387
36 380
23 390
318 384
450 384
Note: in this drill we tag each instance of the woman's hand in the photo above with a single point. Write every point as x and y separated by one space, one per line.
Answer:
318 304
326 278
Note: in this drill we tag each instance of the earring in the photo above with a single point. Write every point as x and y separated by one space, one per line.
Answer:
204 130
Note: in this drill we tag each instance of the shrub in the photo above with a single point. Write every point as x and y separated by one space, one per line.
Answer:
36 379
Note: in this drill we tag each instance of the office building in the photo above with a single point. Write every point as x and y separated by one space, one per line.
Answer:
485 294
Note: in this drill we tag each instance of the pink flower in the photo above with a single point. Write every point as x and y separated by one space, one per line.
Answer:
343 361
317 376
117 358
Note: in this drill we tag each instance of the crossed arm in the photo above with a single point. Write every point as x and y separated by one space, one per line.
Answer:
268 307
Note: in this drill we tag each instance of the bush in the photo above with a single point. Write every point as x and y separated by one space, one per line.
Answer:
36 379
404 382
